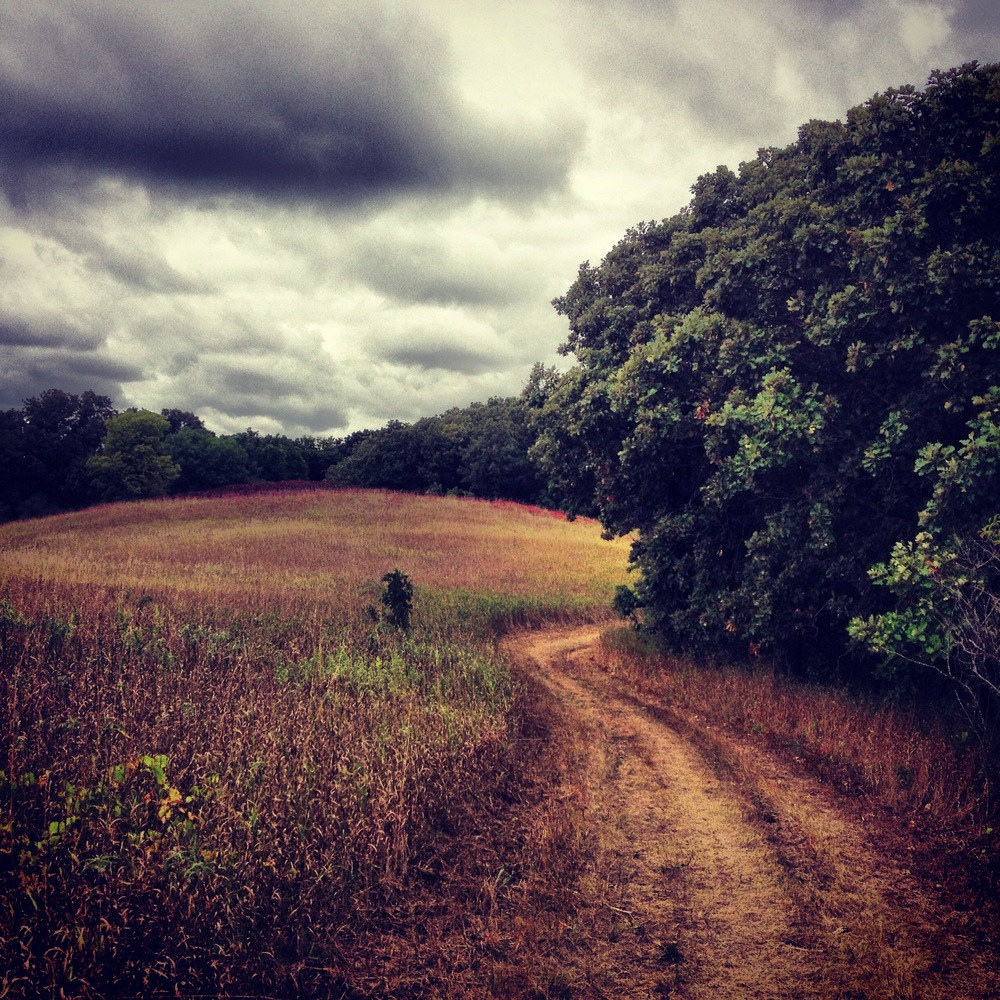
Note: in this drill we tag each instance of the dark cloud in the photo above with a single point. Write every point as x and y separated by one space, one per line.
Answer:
433 271
412 285
149 276
650 66
978 23
245 385
260 386
832 10
721 102
103 367
136 268
973 15
969 15
324 100
127 257
28 372
444 357
52 334
744 77
647 57
653 9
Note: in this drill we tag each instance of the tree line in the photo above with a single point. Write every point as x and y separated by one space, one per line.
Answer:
63 451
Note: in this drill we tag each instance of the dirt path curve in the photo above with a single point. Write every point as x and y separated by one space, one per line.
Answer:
718 871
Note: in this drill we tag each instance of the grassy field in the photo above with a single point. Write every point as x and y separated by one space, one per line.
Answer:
222 773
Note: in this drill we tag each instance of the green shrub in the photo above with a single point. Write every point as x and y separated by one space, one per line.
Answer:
397 598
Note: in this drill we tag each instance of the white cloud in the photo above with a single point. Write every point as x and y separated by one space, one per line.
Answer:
924 28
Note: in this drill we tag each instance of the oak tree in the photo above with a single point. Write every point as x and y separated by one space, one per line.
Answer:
796 374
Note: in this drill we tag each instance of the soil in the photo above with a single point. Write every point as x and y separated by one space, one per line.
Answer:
720 868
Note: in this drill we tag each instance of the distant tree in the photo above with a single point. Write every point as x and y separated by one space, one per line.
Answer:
273 457
383 458
319 454
495 460
14 463
48 444
133 462
480 450
206 461
438 446
181 420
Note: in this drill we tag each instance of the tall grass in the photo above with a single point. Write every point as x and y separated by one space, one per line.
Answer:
218 773
321 542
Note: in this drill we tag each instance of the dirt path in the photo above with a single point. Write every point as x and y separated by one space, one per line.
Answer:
719 871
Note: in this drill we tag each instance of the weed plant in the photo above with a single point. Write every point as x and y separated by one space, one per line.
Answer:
219 775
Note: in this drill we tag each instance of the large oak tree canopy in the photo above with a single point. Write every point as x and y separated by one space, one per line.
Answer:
780 382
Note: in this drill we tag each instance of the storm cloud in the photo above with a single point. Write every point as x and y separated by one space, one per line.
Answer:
308 100
312 217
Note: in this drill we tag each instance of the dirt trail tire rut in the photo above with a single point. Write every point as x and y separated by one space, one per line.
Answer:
719 871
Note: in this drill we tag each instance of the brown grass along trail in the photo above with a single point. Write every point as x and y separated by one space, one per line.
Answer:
717 869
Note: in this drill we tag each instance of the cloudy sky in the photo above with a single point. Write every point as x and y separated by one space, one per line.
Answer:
312 216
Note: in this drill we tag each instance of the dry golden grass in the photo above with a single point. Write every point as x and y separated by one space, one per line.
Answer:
323 542
219 774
